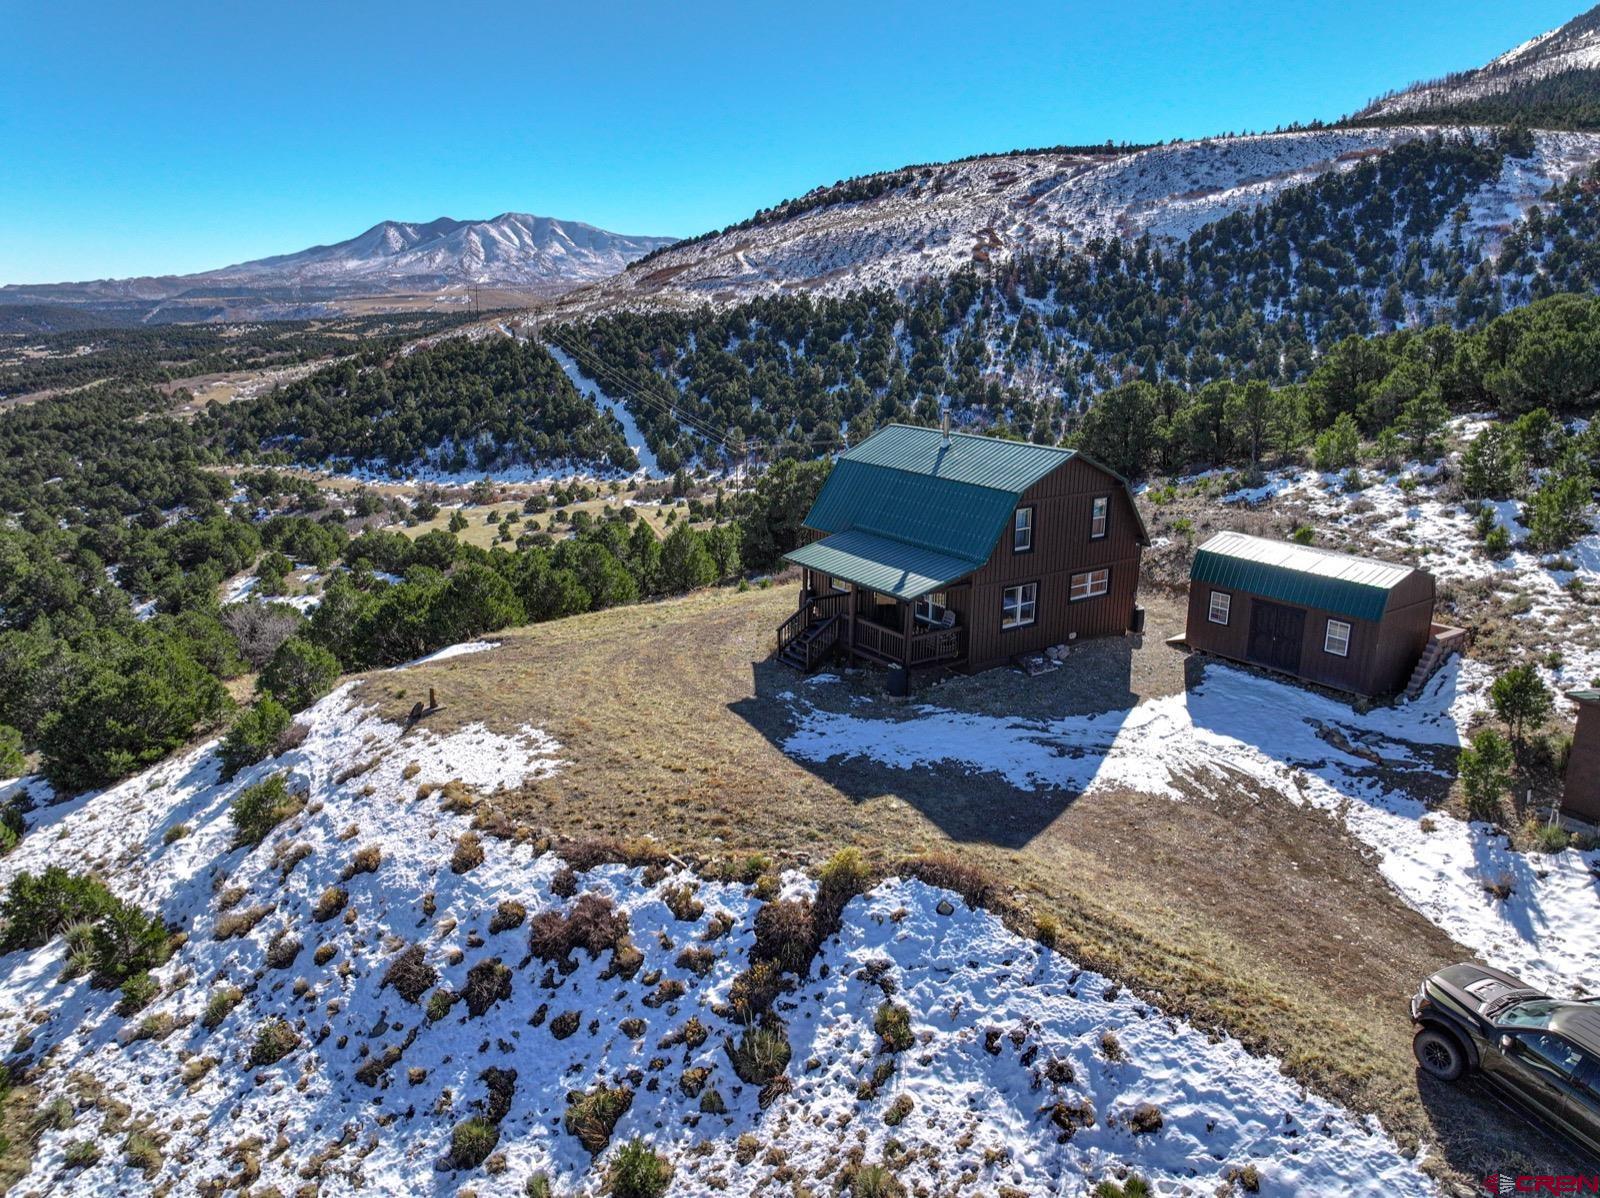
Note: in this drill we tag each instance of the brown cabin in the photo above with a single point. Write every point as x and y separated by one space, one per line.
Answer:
1580 793
930 548
1346 622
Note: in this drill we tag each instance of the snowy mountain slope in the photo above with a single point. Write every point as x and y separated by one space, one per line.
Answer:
511 250
987 209
1024 1074
531 254
1574 46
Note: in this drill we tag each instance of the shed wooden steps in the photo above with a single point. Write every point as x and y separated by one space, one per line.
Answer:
1443 642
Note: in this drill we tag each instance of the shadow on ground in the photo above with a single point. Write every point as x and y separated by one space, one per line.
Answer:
1479 1132
969 803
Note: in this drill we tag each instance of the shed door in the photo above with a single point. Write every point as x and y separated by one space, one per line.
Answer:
1276 634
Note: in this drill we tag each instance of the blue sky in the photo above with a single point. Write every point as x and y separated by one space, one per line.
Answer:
142 138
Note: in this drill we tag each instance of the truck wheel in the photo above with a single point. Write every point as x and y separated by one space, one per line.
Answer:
1439 1053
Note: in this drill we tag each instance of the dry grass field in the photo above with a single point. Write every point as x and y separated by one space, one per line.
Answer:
480 532
1236 907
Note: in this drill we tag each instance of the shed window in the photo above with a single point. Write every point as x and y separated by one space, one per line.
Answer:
1090 584
1099 515
1221 606
1018 605
1022 531
1337 639
931 608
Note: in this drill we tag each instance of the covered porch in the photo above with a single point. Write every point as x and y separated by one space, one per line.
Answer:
877 599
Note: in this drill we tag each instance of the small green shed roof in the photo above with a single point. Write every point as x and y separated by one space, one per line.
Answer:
1352 586
882 564
1584 696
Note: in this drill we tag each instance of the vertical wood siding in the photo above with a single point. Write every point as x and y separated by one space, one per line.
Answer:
1382 652
1062 503
1580 797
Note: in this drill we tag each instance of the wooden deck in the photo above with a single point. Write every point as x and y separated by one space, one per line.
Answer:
825 625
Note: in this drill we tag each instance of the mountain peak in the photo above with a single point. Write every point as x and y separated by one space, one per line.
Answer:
1574 46
515 252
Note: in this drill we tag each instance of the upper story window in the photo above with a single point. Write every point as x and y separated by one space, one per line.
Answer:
1221 606
1337 639
1099 516
1022 531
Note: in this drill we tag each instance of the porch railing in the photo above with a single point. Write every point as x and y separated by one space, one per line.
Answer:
791 628
834 603
827 619
939 644
820 645
880 641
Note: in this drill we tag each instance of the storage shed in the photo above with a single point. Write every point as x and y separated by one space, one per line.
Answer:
1351 623
1580 794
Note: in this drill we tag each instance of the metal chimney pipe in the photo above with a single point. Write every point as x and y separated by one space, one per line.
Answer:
944 426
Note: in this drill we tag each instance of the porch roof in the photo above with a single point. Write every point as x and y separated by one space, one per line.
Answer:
882 564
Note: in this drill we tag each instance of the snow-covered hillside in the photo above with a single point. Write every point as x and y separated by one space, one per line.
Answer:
1022 1073
1572 47
988 209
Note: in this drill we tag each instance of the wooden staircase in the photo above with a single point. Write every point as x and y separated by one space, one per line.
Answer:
1443 642
809 648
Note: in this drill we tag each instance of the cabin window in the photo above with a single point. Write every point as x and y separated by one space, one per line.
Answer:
1221 606
1337 639
931 608
1099 515
1022 531
1090 584
1018 605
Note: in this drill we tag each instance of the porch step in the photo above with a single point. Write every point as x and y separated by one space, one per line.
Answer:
794 653
1443 643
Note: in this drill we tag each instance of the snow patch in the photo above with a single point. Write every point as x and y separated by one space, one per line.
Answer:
1302 745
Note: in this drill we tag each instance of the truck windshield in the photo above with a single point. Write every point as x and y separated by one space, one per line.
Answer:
1535 1012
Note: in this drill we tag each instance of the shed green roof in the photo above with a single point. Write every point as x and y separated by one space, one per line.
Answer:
882 564
1357 587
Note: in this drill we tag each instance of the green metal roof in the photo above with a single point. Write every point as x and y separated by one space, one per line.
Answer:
906 484
882 564
935 513
1012 466
1584 696
922 508
1300 574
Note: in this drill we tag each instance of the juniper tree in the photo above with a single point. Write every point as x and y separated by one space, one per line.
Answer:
1522 700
